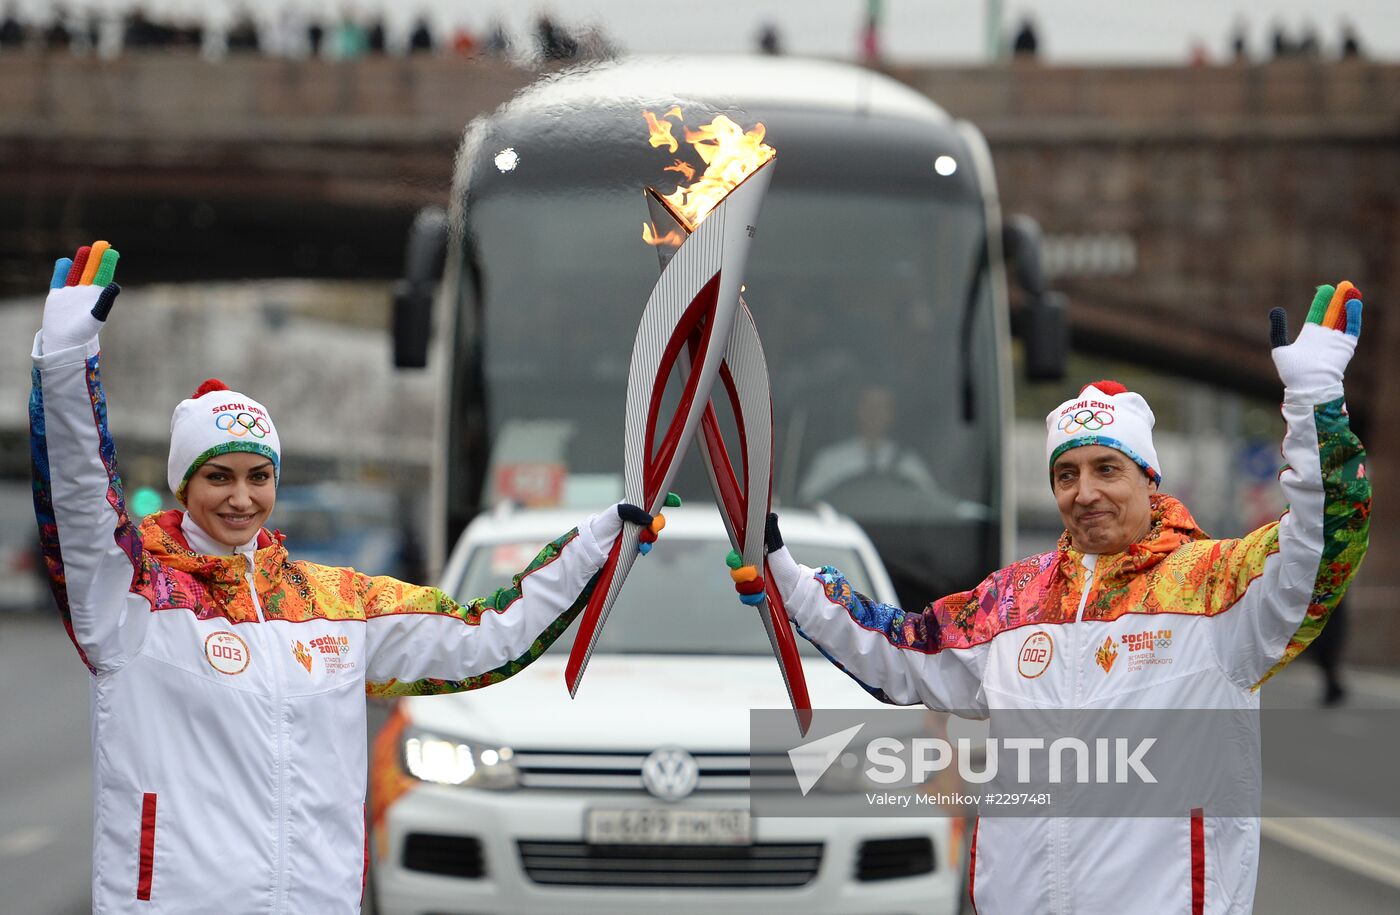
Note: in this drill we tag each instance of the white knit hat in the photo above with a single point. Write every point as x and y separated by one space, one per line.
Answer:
1104 413
216 421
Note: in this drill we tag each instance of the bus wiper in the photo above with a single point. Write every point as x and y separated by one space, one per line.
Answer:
974 291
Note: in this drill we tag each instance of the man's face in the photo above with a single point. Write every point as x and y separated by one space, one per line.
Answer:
1104 498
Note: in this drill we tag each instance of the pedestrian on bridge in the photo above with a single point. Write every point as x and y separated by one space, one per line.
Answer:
229 679
1215 619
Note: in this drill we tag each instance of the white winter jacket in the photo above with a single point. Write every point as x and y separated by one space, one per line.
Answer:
1177 621
228 696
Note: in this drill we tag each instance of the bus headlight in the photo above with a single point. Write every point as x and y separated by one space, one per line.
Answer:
457 761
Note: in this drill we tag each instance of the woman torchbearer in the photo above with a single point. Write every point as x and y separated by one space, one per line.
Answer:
229 679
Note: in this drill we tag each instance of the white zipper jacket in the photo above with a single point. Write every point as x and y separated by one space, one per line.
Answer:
1177 621
228 695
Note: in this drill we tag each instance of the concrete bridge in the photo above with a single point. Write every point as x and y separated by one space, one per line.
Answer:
1180 204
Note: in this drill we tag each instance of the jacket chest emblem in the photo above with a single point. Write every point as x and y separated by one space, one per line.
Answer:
1107 654
226 652
1147 648
333 650
1035 655
301 654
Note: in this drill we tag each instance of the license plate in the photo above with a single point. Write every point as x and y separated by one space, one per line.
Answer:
666 826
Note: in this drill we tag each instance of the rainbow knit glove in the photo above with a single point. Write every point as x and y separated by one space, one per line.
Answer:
1313 365
747 581
81 295
651 526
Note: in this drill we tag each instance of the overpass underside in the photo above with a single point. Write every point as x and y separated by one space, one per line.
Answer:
206 210
1237 188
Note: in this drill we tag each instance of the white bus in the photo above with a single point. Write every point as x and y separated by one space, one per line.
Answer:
876 282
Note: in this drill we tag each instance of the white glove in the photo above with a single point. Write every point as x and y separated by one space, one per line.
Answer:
606 525
1312 366
81 295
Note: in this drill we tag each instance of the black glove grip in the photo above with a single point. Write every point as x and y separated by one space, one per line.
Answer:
629 512
105 300
772 537
1278 328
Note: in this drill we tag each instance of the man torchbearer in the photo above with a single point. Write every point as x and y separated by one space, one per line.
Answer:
1046 632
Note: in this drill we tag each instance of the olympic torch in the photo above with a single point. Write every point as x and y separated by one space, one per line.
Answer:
696 319
744 507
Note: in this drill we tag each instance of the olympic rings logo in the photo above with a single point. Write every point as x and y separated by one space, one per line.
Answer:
1086 420
241 424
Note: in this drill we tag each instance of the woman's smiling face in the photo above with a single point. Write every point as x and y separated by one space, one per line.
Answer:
231 496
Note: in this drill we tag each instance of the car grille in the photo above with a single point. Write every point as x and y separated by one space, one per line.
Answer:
768 864
622 771
888 859
455 856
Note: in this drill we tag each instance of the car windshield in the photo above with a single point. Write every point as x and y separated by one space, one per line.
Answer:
677 600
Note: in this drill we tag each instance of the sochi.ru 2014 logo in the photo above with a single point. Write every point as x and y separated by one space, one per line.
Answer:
226 652
335 651
1148 648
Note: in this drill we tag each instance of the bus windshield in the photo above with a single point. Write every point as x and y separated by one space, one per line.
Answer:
874 309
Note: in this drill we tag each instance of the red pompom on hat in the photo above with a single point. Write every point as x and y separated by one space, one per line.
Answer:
207 385
1107 386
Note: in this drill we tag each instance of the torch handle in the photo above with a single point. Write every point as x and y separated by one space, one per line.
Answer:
592 616
734 500
788 657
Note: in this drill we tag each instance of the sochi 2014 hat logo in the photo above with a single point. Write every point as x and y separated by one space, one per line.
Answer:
1035 655
239 420
1086 419
226 652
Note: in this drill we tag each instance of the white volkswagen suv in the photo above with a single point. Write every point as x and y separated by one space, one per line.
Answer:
633 798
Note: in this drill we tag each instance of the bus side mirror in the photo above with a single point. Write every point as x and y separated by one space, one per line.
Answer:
1044 325
413 295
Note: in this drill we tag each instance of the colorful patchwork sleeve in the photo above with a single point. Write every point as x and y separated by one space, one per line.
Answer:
898 657
1273 590
91 548
422 642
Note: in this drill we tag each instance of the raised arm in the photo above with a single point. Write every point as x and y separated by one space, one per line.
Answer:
422 642
91 548
1277 586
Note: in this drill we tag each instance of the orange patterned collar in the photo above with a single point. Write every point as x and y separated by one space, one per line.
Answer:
1172 527
163 539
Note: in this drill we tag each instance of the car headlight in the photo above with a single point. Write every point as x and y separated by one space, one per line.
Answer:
457 761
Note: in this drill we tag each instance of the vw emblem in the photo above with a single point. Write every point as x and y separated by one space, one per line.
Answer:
670 773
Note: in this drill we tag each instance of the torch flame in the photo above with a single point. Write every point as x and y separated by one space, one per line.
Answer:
660 133
686 170
730 155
